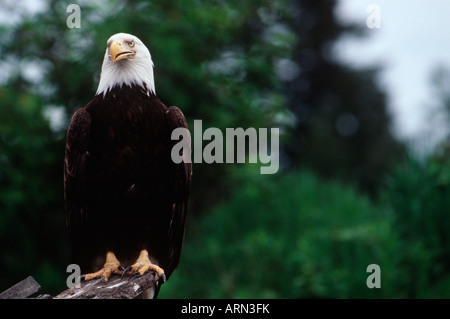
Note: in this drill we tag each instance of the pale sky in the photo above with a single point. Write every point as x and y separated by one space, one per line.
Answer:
414 39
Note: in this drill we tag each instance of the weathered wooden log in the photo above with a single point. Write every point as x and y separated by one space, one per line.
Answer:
21 290
116 288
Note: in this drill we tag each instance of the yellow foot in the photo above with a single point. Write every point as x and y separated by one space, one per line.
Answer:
143 264
111 266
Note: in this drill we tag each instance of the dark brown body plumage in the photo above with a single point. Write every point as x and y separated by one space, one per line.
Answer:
123 192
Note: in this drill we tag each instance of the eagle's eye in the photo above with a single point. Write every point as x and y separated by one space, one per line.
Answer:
131 43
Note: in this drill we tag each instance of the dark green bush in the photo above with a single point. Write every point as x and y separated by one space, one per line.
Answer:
295 236
419 194
291 236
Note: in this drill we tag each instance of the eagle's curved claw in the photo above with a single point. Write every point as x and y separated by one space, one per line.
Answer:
126 270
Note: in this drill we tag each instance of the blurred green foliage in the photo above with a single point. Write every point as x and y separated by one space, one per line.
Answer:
289 236
345 196
31 215
297 236
419 194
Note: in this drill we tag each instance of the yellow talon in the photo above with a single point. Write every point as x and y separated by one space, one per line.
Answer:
111 266
143 264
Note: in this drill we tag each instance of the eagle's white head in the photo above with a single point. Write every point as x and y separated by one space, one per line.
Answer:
127 61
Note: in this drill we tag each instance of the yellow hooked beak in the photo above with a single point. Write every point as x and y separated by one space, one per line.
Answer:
118 52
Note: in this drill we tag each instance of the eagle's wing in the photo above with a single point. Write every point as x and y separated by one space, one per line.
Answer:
175 119
76 153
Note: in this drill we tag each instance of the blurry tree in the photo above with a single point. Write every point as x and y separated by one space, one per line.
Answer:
440 80
298 236
343 127
419 194
31 205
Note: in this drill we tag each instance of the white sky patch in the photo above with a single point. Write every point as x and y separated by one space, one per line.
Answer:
413 39
56 115
32 71
12 10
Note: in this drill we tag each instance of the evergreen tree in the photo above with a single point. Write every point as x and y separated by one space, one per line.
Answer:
343 126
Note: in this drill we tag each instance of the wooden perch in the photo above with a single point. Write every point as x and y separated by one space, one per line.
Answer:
21 290
116 288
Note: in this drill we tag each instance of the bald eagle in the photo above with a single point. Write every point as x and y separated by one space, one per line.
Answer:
126 200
